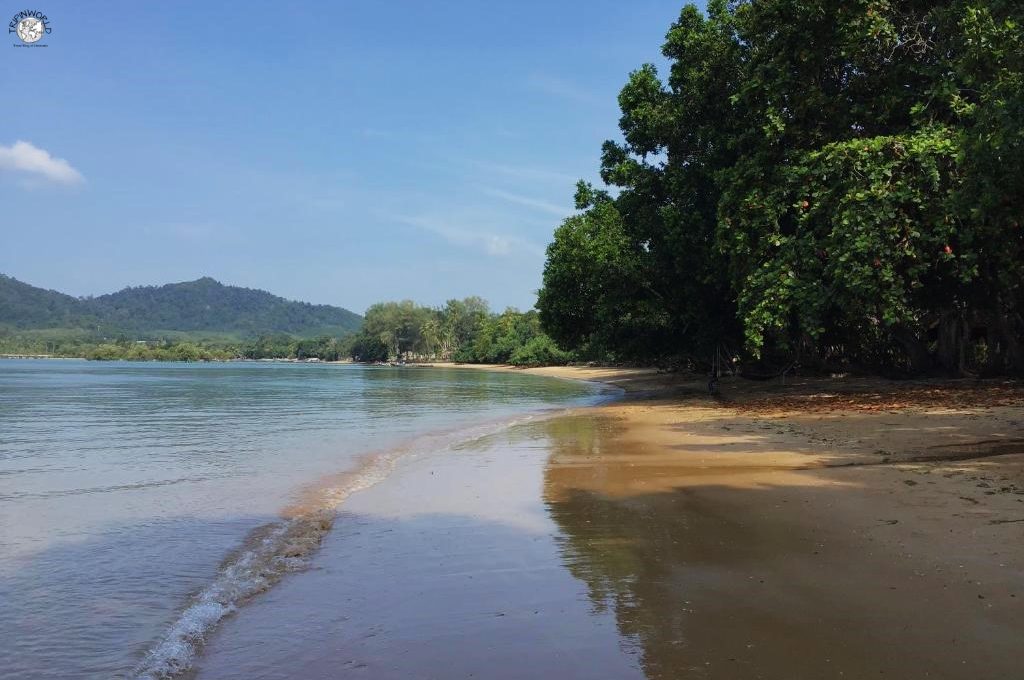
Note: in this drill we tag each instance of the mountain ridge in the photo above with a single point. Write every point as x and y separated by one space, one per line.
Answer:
202 305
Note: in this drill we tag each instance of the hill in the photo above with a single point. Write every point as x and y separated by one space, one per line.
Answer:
203 305
24 306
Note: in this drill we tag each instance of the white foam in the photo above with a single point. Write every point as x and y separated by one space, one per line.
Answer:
251 572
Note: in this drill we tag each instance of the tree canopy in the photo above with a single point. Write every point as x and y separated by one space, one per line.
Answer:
462 330
831 183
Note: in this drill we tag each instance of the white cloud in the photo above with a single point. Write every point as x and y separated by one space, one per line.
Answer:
25 157
492 243
544 206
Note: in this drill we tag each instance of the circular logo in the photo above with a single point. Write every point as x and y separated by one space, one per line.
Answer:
31 29
31 26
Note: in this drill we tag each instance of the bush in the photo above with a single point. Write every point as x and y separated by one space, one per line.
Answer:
368 348
104 352
540 351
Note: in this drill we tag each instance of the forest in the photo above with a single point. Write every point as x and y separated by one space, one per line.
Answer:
204 307
827 185
201 320
464 331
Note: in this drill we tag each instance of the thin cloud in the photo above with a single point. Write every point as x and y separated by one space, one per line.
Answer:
559 87
28 158
527 173
544 206
491 243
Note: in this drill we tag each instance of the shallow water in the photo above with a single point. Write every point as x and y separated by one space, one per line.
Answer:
139 503
453 568
572 547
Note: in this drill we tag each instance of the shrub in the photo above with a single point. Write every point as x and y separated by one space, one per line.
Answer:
540 351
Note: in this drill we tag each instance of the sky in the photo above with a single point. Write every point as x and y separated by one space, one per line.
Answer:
339 153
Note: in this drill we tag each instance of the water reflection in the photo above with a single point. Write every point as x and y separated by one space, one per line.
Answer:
710 578
627 551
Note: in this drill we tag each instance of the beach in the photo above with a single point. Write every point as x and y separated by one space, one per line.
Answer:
817 528
572 340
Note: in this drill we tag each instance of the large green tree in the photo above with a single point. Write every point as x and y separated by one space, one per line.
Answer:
640 275
814 180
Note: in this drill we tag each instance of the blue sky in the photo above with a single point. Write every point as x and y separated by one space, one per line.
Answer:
339 153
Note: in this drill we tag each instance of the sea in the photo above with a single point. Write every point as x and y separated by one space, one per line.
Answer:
142 503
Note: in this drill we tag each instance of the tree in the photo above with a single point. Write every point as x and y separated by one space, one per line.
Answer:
595 291
398 325
820 181
368 348
989 58
652 280
463 330
540 350
461 321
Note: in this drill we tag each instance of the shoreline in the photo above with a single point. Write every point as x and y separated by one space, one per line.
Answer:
629 380
828 526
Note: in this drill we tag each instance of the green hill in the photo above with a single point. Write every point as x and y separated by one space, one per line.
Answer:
26 307
201 306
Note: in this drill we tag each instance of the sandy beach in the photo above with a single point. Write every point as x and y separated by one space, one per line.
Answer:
817 529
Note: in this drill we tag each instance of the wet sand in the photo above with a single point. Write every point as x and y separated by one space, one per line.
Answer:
819 529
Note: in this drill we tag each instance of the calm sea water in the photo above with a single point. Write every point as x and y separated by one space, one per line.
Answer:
140 503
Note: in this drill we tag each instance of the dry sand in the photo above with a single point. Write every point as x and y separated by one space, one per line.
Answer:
818 529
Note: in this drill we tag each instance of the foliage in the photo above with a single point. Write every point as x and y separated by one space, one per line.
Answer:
595 287
368 349
860 234
502 334
202 305
24 306
398 325
268 346
463 330
80 344
539 351
183 351
826 182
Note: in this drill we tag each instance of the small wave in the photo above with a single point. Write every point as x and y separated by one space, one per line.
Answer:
270 553
278 548
105 489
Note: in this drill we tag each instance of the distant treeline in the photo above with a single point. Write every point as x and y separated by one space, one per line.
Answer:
276 346
816 183
463 330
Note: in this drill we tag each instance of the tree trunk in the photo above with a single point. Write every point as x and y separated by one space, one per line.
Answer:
1011 350
917 351
950 352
